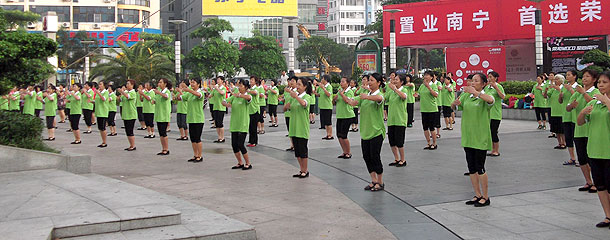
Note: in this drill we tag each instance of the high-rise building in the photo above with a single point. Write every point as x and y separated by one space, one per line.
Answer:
170 10
348 18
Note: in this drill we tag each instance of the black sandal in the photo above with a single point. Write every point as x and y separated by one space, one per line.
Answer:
428 147
102 145
76 142
585 188
603 224
403 164
163 153
49 139
380 188
238 166
198 160
297 175
304 175
433 147
394 163
247 168
473 200
369 187
129 149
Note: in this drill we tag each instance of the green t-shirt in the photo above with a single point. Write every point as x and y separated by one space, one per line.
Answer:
371 118
426 100
101 107
4 104
397 107
557 109
496 110
447 96
163 106
112 102
128 110
439 98
85 104
195 108
299 117
139 100
218 97
287 99
14 104
261 100
385 91
272 98
76 107
581 131
599 127
240 119
29 103
38 103
50 106
539 100
567 116
147 105
476 132
182 105
253 107
325 102
410 94
344 110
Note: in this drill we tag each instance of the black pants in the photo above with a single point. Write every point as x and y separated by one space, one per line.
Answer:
140 114
50 122
343 127
476 160
67 111
556 125
212 110
396 136
272 110
427 120
195 132
261 114
410 112
437 118
371 152
219 117
568 129
181 120
37 112
326 117
355 119
600 171
494 125
238 140
447 110
87 116
162 128
129 124
252 129
287 123
540 114
111 116
581 150
149 119
300 147
74 121
101 123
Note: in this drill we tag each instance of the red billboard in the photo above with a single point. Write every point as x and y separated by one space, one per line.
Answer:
457 21
465 61
367 62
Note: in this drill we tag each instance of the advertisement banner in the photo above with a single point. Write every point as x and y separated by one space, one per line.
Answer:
367 62
110 38
465 61
262 8
456 21
562 54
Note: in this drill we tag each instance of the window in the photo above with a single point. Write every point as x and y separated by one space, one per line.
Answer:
63 13
91 14
307 13
352 15
12 7
145 3
352 2
128 16
146 16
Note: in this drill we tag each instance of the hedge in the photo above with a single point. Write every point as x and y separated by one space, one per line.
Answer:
518 87
23 131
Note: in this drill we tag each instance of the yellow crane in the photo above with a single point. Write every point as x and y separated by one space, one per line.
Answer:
327 67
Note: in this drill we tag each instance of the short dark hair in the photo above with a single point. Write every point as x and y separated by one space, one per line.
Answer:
482 76
403 79
495 74
326 77
591 72
429 73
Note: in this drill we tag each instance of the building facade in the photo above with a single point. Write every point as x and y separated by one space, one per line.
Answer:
170 10
348 18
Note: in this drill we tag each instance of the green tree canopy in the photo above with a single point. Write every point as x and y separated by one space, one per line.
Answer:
213 56
23 56
598 58
159 43
334 53
262 56
72 50
212 28
137 62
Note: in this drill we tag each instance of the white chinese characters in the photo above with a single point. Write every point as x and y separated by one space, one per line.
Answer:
591 10
480 17
527 16
558 13
406 25
430 23
454 21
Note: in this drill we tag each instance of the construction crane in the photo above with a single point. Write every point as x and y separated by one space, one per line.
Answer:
327 67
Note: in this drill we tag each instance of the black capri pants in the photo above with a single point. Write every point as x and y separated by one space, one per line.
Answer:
312 108
581 150
111 116
343 127
195 132
253 128
238 140
212 110
37 112
494 126
396 136
437 117
181 121
476 160
447 111
600 171
50 121
427 120
326 117
356 112
261 114
101 123
74 121
67 111
87 116
140 114
162 128
568 129
149 119
219 117
300 147
273 110
556 125
540 114
287 123
129 124
371 152
410 107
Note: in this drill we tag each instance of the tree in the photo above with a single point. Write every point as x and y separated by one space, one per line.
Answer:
262 56
137 62
598 58
212 28
23 56
73 49
213 56
315 47
160 43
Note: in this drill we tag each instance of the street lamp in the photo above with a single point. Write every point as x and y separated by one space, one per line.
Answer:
538 38
177 50
291 53
86 72
392 37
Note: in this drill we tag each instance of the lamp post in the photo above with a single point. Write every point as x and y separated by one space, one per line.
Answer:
291 42
392 37
177 48
86 71
538 39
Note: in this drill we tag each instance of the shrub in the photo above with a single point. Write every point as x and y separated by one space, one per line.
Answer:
23 131
518 87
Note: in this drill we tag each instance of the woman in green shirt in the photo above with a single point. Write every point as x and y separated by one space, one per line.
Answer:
476 135
39 100
448 96
112 110
254 112
163 112
87 105
427 98
357 91
129 112
50 109
579 100
76 110
372 130
552 93
195 116
299 119
396 97
597 116
148 109
568 124
540 102
325 92
497 91
101 110
219 94
29 100
240 123
181 111
410 100
345 116
292 82
272 98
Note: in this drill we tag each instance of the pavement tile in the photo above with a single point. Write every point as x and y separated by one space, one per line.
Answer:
522 225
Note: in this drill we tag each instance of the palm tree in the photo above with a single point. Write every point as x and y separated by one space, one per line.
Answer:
136 62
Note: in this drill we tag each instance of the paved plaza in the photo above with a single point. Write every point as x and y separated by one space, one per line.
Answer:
532 195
